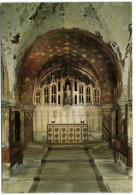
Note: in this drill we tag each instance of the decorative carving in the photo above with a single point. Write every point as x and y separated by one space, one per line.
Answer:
50 140
71 135
49 129
68 134
49 135
63 135
71 129
63 140
85 130
84 135
63 72
63 130
78 135
56 141
71 140
56 130
77 129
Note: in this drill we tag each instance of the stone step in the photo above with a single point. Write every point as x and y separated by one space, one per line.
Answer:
37 145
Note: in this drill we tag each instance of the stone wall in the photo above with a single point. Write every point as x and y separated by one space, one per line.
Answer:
67 114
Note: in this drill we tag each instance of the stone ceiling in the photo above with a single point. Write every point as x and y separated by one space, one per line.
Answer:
68 48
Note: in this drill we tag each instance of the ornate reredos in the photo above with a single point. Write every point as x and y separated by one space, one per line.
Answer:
67 72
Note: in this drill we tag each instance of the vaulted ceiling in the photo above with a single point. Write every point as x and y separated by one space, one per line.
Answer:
73 48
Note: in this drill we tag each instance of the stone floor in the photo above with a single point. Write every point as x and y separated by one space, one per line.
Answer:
67 168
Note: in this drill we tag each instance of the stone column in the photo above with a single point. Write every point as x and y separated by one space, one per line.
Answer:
22 126
122 116
113 116
7 126
84 87
3 126
28 116
108 123
129 124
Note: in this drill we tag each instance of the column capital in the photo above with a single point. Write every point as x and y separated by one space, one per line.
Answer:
107 107
28 108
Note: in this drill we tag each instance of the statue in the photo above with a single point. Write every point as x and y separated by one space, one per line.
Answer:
67 99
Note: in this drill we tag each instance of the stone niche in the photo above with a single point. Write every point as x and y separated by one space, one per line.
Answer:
67 115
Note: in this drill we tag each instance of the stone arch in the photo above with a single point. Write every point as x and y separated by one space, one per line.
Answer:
71 48
29 64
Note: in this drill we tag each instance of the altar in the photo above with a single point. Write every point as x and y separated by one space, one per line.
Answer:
67 133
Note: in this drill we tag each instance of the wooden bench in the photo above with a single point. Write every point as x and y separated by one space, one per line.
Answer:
14 154
123 148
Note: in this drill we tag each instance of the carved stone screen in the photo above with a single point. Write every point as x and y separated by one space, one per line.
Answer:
67 96
67 133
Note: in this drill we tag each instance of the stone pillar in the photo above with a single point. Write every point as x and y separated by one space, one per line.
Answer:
7 127
113 116
122 116
84 92
108 123
129 124
22 126
50 92
3 126
28 118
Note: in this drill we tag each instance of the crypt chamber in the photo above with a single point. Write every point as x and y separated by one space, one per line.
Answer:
69 86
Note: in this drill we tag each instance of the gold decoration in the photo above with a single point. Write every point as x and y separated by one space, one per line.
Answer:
67 43
84 135
83 50
77 135
67 36
77 129
78 141
66 48
63 129
56 141
66 52
56 130
84 55
49 135
49 129
71 140
92 60
71 135
63 140
71 129
63 135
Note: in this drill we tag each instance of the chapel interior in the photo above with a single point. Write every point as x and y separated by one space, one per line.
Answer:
66 97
